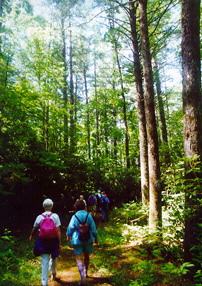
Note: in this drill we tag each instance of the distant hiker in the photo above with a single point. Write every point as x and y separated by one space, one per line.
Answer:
98 197
81 197
104 194
104 205
82 233
92 204
48 242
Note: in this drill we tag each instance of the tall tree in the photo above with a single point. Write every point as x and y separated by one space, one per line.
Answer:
141 105
1 17
87 111
127 151
72 100
192 108
97 136
155 217
114 41
164 134
65 83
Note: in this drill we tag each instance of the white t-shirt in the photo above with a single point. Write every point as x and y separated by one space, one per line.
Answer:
54 217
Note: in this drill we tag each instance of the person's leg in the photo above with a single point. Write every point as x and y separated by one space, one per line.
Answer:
86 263
45 268
80 267
53 267
94 210
103 215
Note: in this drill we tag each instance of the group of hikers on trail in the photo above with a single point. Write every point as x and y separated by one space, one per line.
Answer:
97 203
81 231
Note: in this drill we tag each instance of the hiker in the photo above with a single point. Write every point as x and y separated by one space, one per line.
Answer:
82 233
104 205
48 243
81 197
98 197
103 193
92 204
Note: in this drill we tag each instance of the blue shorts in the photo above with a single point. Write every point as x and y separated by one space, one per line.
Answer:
86 247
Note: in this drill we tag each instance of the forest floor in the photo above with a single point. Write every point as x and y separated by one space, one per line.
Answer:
125 256
67 271
114 262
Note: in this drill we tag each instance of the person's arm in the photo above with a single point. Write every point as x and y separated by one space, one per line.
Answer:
34 230
70 229
93 228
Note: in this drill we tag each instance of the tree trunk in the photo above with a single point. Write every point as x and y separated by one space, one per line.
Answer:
1 15
141 107
155 218
87 115
115 153
72 103
96 113
164 133
192 108
127 151
64 90
115 45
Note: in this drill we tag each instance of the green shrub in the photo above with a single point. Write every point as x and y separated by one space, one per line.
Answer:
16 266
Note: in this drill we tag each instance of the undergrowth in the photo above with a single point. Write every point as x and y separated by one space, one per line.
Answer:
17 266
126 254
134 257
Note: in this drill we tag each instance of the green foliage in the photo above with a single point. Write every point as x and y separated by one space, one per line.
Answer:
16 266
182 202
134 259
198 277
124 260
170 273
131 211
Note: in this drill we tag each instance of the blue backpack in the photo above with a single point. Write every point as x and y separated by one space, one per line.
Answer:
103 201
91 200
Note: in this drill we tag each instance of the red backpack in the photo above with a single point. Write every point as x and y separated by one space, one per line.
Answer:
48 228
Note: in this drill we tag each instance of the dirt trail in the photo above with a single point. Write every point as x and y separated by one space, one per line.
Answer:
67 271
68 274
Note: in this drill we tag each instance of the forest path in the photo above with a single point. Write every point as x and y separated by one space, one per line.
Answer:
67 271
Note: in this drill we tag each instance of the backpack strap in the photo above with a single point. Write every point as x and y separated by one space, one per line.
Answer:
86 217
79 219
47 215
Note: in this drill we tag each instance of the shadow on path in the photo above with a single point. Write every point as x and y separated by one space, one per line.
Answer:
89 281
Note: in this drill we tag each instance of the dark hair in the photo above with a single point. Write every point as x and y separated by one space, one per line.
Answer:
80 205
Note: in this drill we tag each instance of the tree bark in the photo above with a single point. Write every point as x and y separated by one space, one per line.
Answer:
192 108
64 91
72 101
87 115
1 15
127 151
97 143
155 217
164 133
141 107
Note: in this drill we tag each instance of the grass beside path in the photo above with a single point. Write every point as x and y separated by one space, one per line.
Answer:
106 261
124 257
